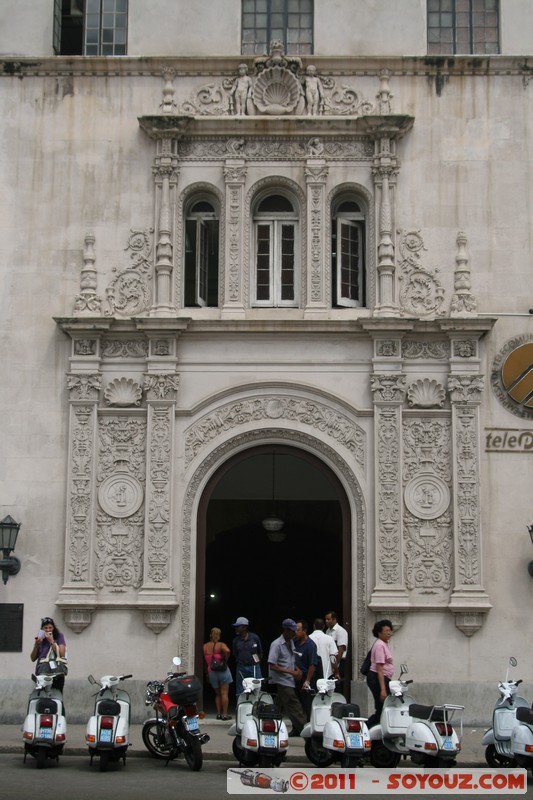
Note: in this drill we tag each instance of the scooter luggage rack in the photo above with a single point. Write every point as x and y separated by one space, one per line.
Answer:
438 714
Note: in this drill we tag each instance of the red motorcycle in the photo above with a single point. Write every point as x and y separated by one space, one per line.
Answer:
175 730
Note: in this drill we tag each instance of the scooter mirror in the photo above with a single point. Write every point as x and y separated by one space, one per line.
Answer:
91 679
513 662
403 669
176 661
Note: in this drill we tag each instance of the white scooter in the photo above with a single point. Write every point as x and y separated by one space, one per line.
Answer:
313 731
107 733
431 738
346 735
498 739
44 730
522 738
260 734
388 737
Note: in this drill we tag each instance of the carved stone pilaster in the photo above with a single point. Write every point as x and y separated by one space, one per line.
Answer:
469 601
316 174
166 178
463 304
235 177
385 169
156 597
389 394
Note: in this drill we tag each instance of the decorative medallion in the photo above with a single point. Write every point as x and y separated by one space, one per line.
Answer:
427 496
120 495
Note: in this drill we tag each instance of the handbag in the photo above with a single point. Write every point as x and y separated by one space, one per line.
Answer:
364 669
217 666
52 665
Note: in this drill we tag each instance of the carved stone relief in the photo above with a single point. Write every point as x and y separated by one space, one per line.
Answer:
130 292
387 426
426 393
301 411
81 471
159 478
124 348
439 350
123 392
421 293
276 148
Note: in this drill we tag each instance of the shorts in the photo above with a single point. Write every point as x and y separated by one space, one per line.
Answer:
216 679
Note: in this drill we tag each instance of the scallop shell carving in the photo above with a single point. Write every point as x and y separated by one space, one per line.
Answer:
123 392
426 393
276 91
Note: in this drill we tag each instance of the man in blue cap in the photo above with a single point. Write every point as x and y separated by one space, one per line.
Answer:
247 652
283 674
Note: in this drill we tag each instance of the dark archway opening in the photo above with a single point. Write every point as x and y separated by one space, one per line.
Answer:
242 572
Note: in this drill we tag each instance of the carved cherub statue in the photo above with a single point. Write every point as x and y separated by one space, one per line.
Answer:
314 93
240 91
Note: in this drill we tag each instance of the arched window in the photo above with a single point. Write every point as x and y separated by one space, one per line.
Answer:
276 247
201 253
348 253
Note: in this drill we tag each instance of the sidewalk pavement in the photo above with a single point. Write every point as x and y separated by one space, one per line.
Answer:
219 745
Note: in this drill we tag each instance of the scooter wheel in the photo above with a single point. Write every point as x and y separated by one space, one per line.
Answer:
317 754
246 757
383 758
41 757
104 760
193 753
498 760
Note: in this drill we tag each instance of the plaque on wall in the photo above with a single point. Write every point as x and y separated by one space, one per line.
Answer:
11 615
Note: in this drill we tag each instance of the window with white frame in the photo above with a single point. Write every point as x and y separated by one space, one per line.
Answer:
90 27
348 253
276 251
201 253
463 26
287 21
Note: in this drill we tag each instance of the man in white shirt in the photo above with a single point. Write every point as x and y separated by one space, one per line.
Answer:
340 637
327 649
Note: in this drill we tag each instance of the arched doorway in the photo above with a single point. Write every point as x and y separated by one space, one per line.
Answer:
301 571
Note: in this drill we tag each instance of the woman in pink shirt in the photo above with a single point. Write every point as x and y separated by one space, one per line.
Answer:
381 667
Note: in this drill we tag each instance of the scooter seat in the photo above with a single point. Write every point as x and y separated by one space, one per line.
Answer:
425 712
525 715
110 707
46 706
265 710
340 710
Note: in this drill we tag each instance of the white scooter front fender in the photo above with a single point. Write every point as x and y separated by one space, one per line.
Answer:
375 733
488 738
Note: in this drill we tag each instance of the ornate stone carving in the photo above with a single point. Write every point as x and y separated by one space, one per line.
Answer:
168 106
158 513
85 347
465 348
84 386
426 393
122 446
78 619
467 496
387 426
427 496
124 348
388 387
465 388
216 458
157 619
428 554
430 350
87 301
80 506
119 547
279 86
469 622
294 409
463 304
276 148
130 292
387 348
123 392
421 293
161 385
120 495
427 446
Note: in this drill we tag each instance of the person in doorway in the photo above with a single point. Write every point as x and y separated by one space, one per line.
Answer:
340 637
381 668
216 654
306 659
247 651
283 674
50 643
327 651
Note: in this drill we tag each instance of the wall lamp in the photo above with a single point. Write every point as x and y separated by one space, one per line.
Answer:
9 530
530 565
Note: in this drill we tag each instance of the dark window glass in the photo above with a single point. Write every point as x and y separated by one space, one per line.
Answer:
463 26
90 27
290 21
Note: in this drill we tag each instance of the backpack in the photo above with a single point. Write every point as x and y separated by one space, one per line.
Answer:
364 669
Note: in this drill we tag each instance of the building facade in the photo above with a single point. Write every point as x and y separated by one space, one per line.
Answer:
268 260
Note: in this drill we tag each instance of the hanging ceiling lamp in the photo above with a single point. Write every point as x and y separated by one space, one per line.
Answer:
273 524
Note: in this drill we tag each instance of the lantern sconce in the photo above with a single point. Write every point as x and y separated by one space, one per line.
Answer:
9 530
530 565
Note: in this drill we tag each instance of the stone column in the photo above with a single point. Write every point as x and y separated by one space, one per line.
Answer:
157 597
233 299
469 601
384 171
316 173
166 179
388 388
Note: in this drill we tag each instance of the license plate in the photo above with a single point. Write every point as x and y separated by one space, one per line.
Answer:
269 740
355 740
105 736
45 733
192 723
448 745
